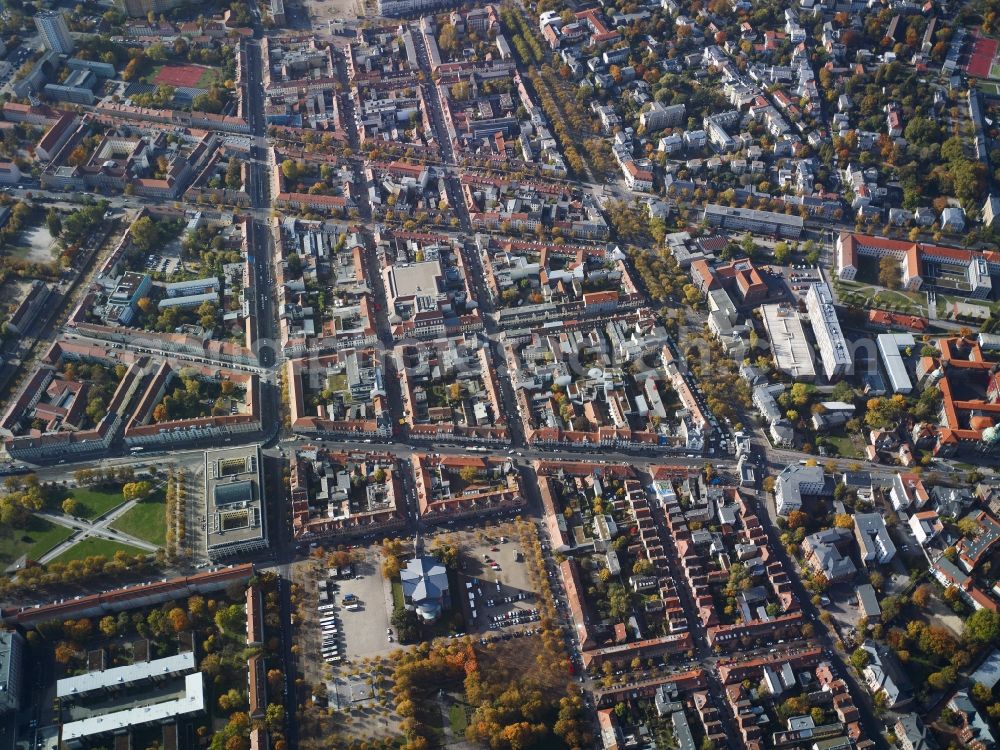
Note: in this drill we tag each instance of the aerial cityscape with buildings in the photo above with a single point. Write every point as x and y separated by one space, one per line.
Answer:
534 374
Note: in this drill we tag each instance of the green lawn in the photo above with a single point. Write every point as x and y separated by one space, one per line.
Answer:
878 298
96 501
146 520
397 593
92 546
209 77
845 446
458 718
34 541
866 285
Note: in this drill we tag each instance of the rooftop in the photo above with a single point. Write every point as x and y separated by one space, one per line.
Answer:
792 353
234 500
193 701
414 279
120 676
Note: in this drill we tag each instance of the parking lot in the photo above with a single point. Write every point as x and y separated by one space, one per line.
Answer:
357 633
498 583
167 261
364 629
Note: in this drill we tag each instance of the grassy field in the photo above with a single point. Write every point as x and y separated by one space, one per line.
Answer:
397 593
38 538
458 718
878 298
146 520
95 501
846 447
91 547
210 76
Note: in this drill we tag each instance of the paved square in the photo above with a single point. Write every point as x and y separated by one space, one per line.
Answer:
364 629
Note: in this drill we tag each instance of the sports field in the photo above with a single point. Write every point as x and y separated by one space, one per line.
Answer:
183 76
982 58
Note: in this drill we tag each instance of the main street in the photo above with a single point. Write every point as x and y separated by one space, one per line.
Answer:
264 329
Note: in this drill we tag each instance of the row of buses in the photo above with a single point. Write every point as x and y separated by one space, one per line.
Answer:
330 630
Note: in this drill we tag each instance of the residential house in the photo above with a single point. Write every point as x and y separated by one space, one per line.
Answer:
884 674
873 538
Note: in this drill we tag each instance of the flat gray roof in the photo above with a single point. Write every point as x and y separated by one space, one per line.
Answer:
120 676
193 701
233 498
889 347
826 326
792 353
414 278
751 214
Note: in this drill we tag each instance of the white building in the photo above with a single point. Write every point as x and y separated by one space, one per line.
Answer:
54 32
659 116
873 538
12 646
637 178
833 348
890 346
752 220
925 525
795 482
908 491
